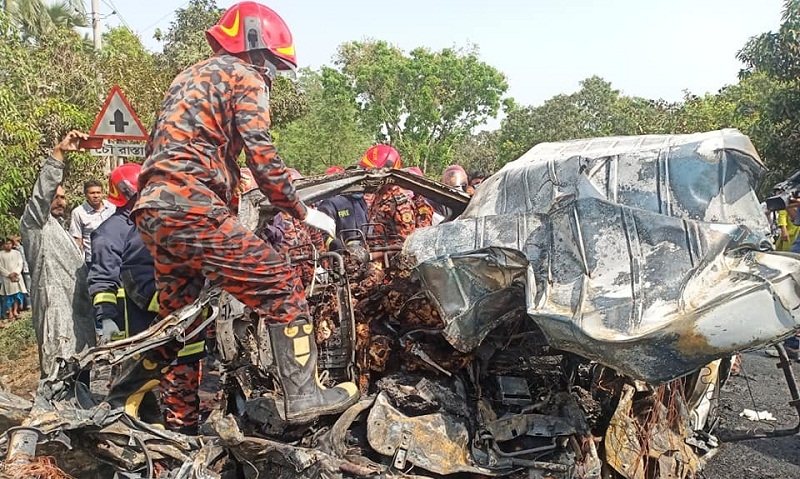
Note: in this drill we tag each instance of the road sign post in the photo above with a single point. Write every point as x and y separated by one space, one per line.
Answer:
117 120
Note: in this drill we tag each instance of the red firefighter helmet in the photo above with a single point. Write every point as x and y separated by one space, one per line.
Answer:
123 184
414 170
381 156
250 26
332 170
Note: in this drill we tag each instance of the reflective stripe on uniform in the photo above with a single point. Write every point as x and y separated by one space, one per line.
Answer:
120 335
193 348
153 306
104 297
124 333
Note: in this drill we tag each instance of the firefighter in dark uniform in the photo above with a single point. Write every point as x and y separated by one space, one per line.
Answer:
349 212
105 287
119 250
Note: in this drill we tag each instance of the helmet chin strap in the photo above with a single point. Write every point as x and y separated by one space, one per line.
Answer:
262 63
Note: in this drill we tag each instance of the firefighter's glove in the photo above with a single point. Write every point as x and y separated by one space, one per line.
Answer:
107 329
321 221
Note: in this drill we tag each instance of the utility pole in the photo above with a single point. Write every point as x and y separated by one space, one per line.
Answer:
96 37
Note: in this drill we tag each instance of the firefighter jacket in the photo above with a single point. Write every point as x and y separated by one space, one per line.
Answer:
108 241
140 297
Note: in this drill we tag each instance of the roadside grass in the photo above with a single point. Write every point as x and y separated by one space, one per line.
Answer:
16 337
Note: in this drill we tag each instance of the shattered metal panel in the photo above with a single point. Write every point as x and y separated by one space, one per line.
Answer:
643 253
475 290
435 442
313 189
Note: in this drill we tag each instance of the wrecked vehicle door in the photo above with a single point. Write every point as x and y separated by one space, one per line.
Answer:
561 327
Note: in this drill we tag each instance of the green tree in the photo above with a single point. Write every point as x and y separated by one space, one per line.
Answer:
703 113
776 54
124 61
423 102
478 152
329 134
596 110
768 94
44 92
37 18
68 14
185 41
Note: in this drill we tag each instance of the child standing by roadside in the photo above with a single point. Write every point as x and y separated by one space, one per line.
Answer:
26 274
14 290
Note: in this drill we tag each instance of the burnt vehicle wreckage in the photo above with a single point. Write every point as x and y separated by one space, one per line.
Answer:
575 319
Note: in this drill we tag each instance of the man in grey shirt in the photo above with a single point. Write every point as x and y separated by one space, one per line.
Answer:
88 216
62 310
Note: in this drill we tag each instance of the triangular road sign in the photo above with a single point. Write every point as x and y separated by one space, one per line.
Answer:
116 120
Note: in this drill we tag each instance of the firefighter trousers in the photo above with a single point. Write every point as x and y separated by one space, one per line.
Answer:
188 248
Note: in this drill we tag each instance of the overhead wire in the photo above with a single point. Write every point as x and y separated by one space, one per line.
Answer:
157 22
110 4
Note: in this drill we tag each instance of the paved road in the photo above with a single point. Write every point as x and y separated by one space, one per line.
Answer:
777 458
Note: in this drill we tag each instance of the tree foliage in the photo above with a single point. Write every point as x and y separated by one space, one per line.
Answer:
597 109
478 153
423 102
124 61
44 92
330 133
426 103
769 93
35 19
185 41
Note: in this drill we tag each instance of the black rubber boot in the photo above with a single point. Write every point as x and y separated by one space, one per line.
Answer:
137 377
295 352
150 409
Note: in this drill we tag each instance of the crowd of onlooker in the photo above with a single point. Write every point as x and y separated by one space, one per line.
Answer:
16 278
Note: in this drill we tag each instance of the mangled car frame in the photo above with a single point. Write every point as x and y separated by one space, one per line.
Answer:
575 319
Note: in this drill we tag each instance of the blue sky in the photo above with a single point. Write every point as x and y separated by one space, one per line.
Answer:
649 48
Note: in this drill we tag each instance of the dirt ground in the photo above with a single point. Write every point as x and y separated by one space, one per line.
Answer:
19 365
19 375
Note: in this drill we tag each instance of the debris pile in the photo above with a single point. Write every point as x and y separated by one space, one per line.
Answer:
568 325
